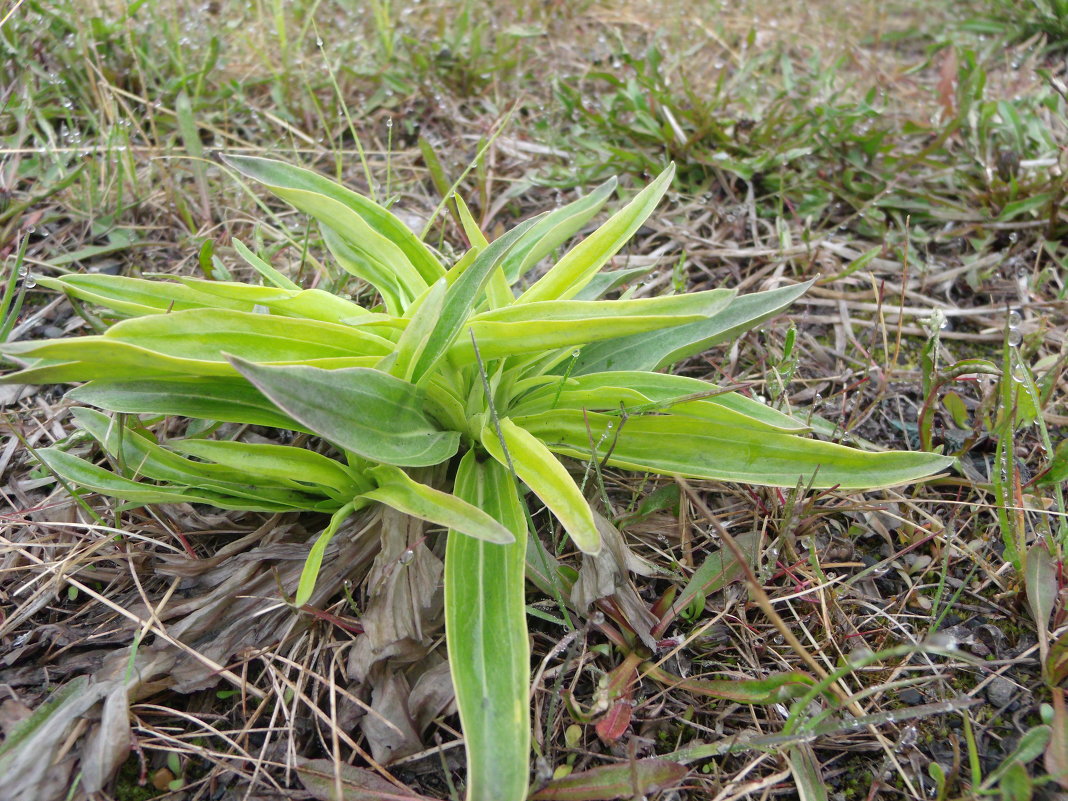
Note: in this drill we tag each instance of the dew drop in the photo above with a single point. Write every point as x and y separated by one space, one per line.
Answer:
941 640
1015 337
389 122
1019 373
860 655
30 282
1015 318
407 556
597 618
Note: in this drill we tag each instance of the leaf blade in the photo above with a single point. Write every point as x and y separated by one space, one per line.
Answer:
547 478
578 266
675 445
486 632
655 351
363 410
397 490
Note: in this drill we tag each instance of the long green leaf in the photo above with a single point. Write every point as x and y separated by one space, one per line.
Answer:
669 345
425 314
64 361
553 230
280 177
313 304
144 457
89 476
486 633
547 478
808 774
693 304
135 296
543 326
85 358
395 297
366 411
656 392
228 400
609 782
606 281
295 466
397 490
685 446
462 296
205 333
577 268
306 583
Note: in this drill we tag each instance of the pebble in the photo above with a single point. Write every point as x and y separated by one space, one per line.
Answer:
910 696
1001 692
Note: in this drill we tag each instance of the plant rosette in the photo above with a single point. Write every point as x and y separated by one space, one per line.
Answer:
468 365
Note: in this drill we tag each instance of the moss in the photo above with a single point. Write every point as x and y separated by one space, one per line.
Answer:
126 783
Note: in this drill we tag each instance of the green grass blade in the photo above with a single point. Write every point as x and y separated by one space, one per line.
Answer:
261 266
371 413
486 634
547 478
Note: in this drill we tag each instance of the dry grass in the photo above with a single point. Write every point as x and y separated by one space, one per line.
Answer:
201 679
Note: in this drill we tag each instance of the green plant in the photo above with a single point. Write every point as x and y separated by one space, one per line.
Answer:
1017 22
459 367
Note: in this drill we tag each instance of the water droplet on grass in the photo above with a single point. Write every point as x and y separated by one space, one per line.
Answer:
406 556
1015 337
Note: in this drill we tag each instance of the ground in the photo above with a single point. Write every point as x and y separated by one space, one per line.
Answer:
907 157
